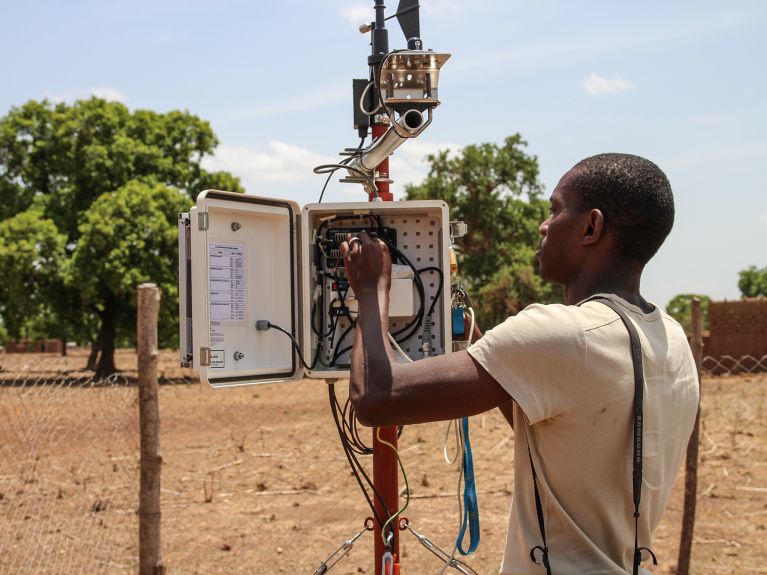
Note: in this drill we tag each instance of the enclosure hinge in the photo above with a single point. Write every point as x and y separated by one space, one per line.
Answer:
205 357
202 221
458 229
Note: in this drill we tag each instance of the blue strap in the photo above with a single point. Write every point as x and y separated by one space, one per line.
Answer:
470 507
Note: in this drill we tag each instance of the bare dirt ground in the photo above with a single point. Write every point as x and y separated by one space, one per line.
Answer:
254 479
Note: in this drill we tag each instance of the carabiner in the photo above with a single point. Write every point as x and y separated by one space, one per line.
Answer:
387 559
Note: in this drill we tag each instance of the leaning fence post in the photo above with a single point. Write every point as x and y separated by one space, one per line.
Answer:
150 558
691 464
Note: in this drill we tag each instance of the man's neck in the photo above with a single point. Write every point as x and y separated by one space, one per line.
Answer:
621 280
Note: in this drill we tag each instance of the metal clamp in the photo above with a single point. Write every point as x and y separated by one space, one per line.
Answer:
387 564
440 553
343 550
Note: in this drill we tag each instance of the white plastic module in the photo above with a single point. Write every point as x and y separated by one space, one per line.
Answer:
245 259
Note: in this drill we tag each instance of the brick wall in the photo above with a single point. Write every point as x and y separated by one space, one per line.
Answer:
737 328
38 346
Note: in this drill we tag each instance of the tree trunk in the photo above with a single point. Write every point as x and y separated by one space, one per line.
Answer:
106 366
94 355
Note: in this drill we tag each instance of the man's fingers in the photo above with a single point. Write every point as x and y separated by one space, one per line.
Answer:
355 242
352 245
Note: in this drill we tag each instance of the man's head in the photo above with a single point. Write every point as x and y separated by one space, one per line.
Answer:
619 203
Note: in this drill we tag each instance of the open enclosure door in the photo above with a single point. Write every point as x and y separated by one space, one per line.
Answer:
243 255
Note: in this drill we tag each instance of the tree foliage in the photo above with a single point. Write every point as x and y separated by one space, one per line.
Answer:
62 163
32 264
496 191
129 237
680 308
752 282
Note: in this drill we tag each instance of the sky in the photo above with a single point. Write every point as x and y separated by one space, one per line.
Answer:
681 83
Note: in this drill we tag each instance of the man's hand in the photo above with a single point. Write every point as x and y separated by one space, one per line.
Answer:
367 262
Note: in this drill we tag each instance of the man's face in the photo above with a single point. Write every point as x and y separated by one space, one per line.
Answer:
559 253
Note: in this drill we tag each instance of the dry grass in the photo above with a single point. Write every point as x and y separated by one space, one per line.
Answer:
254 479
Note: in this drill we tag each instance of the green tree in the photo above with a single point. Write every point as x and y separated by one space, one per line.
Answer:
680 308
129 237
32 262
752 282
496 191
58 159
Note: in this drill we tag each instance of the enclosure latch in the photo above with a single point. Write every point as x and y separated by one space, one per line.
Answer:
205 357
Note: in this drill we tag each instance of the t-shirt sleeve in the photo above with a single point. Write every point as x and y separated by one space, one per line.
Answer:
539 357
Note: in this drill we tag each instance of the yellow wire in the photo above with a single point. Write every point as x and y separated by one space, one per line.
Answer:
407 486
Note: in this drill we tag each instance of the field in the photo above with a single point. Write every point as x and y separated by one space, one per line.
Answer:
254 479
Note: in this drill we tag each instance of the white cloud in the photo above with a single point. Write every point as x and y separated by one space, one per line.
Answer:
357 14
109 93
763 219
408 164
416 150
72 94
596 84
290 167
313 99
283 163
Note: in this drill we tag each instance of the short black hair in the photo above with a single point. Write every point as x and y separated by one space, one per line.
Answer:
634 196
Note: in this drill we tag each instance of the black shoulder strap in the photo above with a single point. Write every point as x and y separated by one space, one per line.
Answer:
539 512
636 356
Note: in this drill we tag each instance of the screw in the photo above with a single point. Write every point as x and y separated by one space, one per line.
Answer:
236 226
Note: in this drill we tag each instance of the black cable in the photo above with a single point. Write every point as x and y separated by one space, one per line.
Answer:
325 185
337 353
296 346
357 469
418 319
352 424
323 169
439 286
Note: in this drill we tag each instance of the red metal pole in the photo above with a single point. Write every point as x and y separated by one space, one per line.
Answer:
385 471
383 168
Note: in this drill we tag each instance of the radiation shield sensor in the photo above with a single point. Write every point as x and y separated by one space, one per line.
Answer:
245 260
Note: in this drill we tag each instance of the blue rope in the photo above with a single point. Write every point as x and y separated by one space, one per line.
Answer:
470 507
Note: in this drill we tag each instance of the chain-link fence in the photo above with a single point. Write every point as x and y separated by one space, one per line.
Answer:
729 365
254 478
68 485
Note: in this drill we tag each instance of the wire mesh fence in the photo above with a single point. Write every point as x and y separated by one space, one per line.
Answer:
254 477
729 365
69 468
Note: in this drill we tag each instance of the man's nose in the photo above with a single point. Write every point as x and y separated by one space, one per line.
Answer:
544 227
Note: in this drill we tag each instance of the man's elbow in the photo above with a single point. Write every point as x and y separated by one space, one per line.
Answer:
371 409
365 412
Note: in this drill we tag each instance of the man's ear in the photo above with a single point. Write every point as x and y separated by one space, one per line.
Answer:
594 228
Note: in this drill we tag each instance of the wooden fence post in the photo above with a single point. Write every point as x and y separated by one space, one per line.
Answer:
150 557
691 464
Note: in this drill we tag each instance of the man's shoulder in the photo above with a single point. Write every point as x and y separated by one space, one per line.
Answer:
567 318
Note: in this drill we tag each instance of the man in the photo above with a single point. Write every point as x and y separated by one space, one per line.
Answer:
562 374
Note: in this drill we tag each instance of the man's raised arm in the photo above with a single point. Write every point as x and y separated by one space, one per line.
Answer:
385 392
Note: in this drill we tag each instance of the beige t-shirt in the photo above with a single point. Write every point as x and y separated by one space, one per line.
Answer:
569 371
